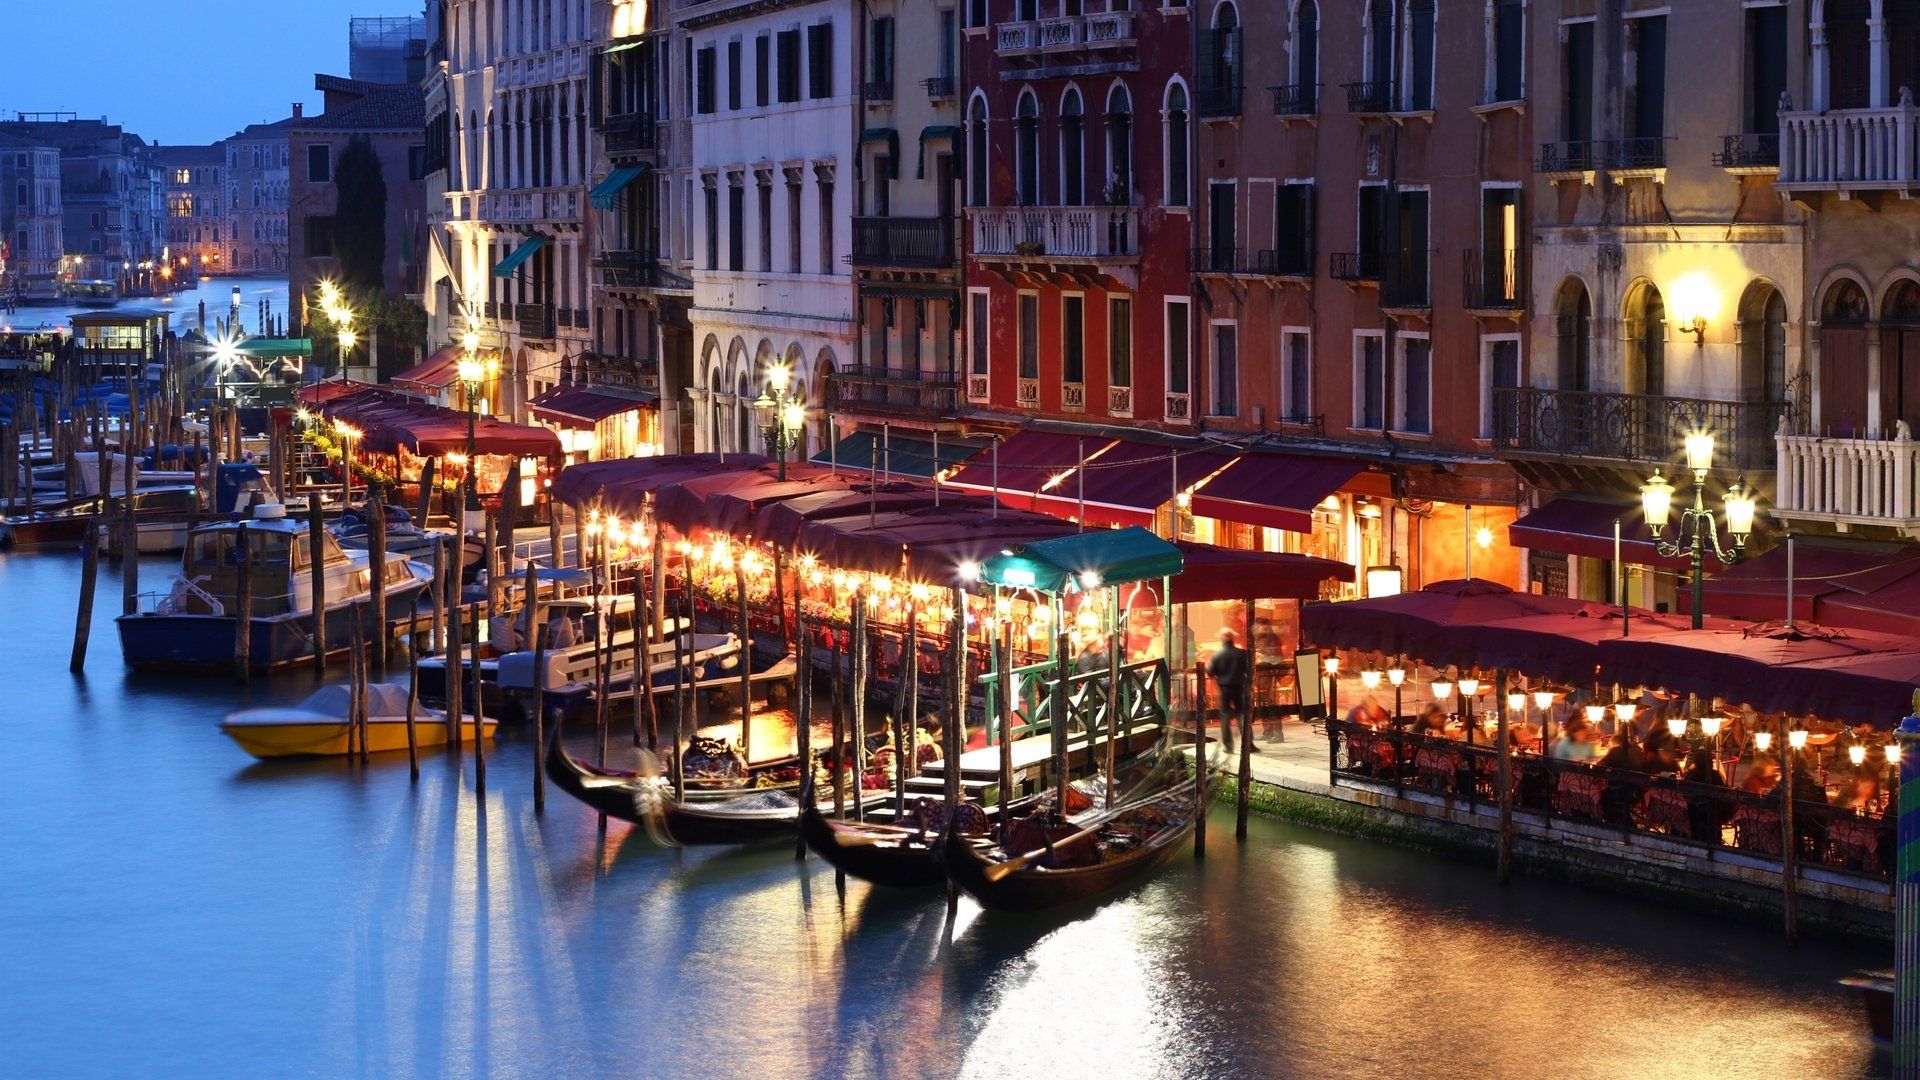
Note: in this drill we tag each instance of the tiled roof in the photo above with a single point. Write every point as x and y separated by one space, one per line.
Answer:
189 155
379 107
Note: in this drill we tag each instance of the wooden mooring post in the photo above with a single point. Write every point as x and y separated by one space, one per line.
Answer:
83 618
242 604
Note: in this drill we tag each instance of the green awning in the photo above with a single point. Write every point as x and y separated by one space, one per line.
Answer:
939 131
606 190
899 455
275 348
1084 561
892 139
505 267
630 43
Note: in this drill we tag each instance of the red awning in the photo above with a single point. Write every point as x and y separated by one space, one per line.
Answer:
1027 463
1808 671
1827 577
1217 573
322 392
1431 624
389 421
1584 527
577 406
622 484
684 504
438 370
1891 609
1277 491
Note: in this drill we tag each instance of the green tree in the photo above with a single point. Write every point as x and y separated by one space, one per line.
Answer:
360 217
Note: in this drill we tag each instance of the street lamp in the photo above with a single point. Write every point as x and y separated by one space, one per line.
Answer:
781 414
1698 532
471 371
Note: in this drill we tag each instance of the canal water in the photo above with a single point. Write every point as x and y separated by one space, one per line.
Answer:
170 907
184 306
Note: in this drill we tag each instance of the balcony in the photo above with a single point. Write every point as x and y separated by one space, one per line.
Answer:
1495 280
637 374
1849 482
1063 32
911 242
1365 98
865 388
628 270
1637 429
1257 262
1297 99
1748 153
535 321
1626 157
529 206
939 87
629 133
1217 102
1110 29
877 91
1055 233
1354 266
1016 38
1849 150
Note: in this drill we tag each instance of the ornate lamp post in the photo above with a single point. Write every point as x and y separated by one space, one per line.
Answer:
1698 532
781 415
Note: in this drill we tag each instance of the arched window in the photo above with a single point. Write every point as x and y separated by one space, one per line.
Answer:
977 152
1573 331
1843 361
1419 73
1119 186
1026 149
1177 172
1763 344
1306 57
1217 84
1073 150
1645 333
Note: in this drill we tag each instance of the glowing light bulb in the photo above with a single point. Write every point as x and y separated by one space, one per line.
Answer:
1857 754
1370 679
1762 741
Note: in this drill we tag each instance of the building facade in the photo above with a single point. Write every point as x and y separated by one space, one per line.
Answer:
111 196
515 197
259 175
30 210
1667 273
196 217
775 116
391 118
908 372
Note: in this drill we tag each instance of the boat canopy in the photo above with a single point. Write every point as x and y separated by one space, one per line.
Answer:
1082 562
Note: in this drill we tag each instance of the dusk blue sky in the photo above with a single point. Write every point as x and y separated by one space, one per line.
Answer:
190 71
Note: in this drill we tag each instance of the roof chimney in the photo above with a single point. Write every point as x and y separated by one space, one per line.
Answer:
298 110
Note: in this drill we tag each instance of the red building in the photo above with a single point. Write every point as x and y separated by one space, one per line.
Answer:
1078 200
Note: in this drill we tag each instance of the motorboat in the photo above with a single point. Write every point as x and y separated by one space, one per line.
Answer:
192 624
319 726
64 524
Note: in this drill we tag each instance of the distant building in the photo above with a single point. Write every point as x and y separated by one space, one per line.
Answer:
196 218
392 117
111 193
30 240
256 190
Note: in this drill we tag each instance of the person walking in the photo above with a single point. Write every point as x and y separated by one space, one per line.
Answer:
1228 669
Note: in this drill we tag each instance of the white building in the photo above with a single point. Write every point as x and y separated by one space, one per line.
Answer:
512 235
770 189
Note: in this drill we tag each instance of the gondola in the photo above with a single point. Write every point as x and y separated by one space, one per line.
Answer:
745 814
1126 848
892 856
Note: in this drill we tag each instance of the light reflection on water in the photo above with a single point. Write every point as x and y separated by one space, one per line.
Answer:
171 908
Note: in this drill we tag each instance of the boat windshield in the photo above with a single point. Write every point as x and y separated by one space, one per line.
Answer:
211 564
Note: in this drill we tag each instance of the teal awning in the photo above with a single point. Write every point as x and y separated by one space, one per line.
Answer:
275 348
892 139
1084 561
505 267
898 455
630 43
939 131
606 190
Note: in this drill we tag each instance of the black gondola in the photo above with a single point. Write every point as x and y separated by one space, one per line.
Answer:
893 856
1036 885
742 815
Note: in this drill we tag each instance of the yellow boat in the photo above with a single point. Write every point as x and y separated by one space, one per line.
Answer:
318 726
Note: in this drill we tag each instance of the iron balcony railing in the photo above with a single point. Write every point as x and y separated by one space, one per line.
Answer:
896 390
633 132
878 90
1269 262
1297 99
1592 155
1495 279
939 86
1354 265
903 241
1748 152
1644 429
1217 102
1369 97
